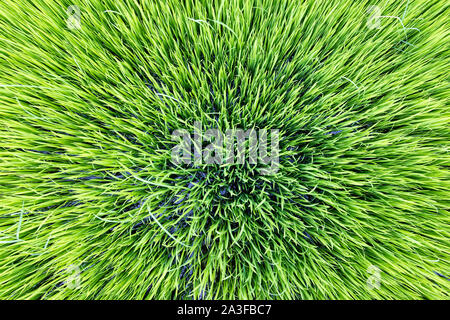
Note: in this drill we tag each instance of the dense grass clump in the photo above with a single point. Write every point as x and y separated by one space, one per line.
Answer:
92 207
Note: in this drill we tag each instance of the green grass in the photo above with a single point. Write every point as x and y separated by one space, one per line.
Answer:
91 206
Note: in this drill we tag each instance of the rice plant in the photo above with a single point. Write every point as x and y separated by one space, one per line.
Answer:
93 207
